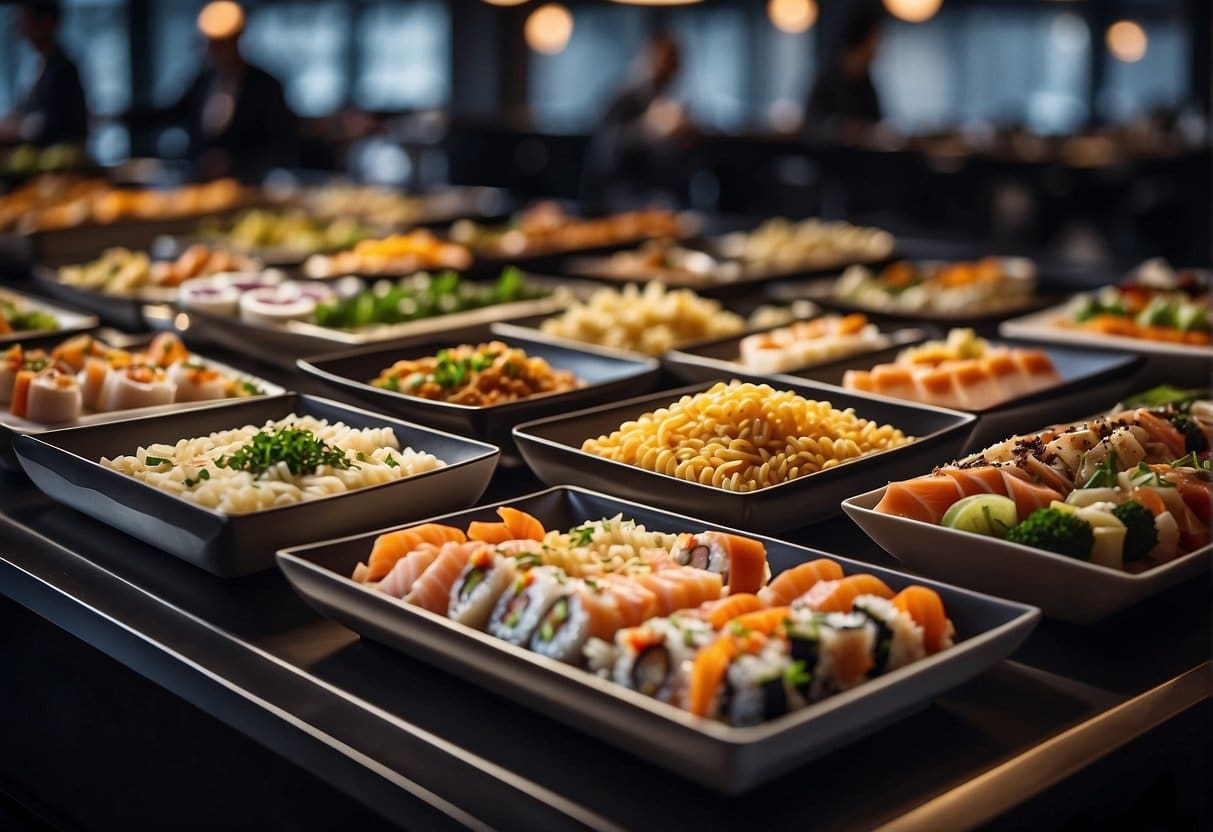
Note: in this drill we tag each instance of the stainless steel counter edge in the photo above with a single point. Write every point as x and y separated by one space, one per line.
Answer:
409 766
1026 775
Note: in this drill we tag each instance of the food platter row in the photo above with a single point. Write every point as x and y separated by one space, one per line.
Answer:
721 653
646 598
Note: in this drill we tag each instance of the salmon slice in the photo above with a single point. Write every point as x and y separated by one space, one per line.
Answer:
1162 430
432 591
747 560
761 621
1005 373
839 595
707 672
924 498
977 386
857 380
20 400
681 588
521 525
1028 496
719 613
926 608
1034 363
928 498
166 349
407 570
73 351
635 601
489 532
938 387
894 380
851 659
792 583
392 546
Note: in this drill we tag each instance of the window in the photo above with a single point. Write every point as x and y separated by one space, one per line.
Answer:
94 34
304 47
1005 65
715 65
570 90
403 54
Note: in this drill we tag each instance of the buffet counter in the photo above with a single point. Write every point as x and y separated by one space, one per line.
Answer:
418 748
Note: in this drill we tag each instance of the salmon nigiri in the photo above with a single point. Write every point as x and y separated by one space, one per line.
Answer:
926 608
761 621
392 546
719 613
432 591
681 588
839 595
399 582
742 561
792 583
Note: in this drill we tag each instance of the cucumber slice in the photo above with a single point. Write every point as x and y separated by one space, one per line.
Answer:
992 515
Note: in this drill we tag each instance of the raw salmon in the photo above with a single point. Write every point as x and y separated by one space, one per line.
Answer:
392 546
792 583
839 595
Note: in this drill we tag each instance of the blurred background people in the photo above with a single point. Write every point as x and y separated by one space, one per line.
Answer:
843 98
235 113
637 149
53 110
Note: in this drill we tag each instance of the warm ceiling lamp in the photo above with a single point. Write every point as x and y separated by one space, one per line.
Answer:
1127 41
792 16
913 11
505 2
549 28
221 20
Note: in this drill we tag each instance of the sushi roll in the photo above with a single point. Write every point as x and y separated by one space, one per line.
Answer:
54 397
590 607
92 380
136 387
214 295
740 561
757 686
899 639
655 658
518 611
165 350
837 650
564 629
276 305
10 363
196 382
476 590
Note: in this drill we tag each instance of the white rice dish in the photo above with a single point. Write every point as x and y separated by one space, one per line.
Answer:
189 468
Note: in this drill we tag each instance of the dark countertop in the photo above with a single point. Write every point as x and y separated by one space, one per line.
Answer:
424 749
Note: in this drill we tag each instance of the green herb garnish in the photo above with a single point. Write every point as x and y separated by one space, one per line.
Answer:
300 450
155 460
1105 474
798 674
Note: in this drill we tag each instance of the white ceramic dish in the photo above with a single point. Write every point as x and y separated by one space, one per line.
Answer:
1186 364
1064 588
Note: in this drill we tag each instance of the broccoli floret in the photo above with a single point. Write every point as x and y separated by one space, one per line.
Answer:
1056 531
1140 531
